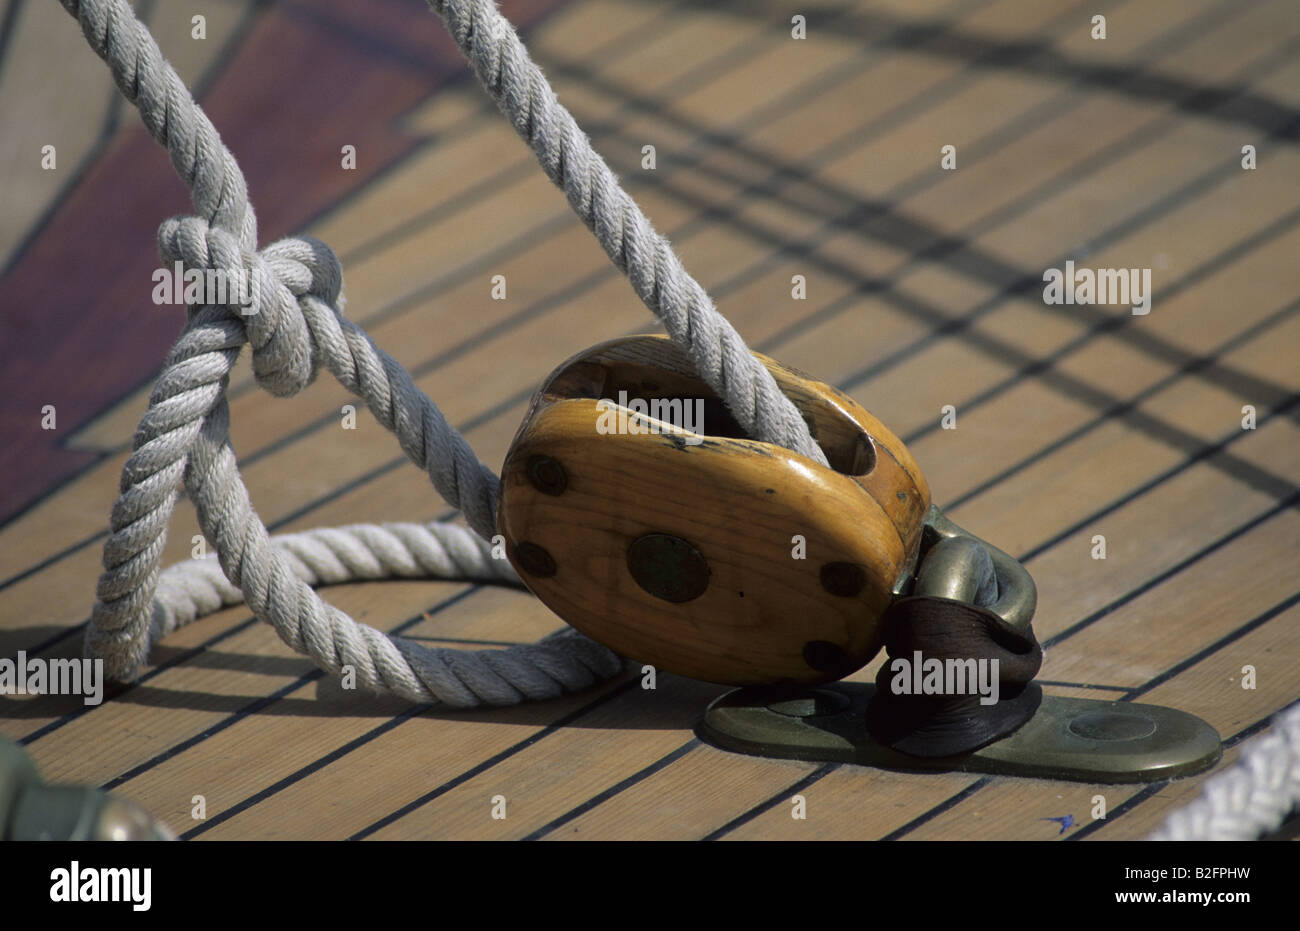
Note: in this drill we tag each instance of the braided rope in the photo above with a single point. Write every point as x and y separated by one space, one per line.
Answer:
1252 798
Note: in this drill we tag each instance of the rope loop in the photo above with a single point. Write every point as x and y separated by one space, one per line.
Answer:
293 320
287 304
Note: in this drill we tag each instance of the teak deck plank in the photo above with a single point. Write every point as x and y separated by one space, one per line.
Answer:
35 109
775 158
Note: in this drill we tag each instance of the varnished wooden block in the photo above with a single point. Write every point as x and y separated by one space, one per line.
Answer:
701 551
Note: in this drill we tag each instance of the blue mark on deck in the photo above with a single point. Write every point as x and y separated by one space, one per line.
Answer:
1066 822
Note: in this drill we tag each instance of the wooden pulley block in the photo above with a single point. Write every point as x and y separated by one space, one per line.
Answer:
636 508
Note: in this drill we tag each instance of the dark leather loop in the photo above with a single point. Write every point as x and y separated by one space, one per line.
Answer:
946 724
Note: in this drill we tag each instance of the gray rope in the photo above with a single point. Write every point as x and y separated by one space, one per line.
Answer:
507 72
195 588
294 324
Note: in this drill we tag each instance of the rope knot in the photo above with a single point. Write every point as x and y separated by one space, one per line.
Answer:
267 291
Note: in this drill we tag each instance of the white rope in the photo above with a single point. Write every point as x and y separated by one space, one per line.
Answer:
193 589
294 325
523 94
1253 797
196 588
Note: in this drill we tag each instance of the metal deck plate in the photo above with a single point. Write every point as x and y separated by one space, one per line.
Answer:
1068 738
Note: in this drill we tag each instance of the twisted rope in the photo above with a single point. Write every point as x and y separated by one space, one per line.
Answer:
294 324
1252 798
193 589
507 72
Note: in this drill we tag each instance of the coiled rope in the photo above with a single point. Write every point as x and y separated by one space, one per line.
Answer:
294 324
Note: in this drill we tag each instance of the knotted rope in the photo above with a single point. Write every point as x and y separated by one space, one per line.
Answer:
294 324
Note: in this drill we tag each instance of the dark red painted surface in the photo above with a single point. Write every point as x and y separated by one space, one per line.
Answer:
77 327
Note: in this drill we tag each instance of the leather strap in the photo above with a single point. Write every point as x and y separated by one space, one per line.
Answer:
945 724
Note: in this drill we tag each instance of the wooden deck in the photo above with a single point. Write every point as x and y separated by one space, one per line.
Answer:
775 157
